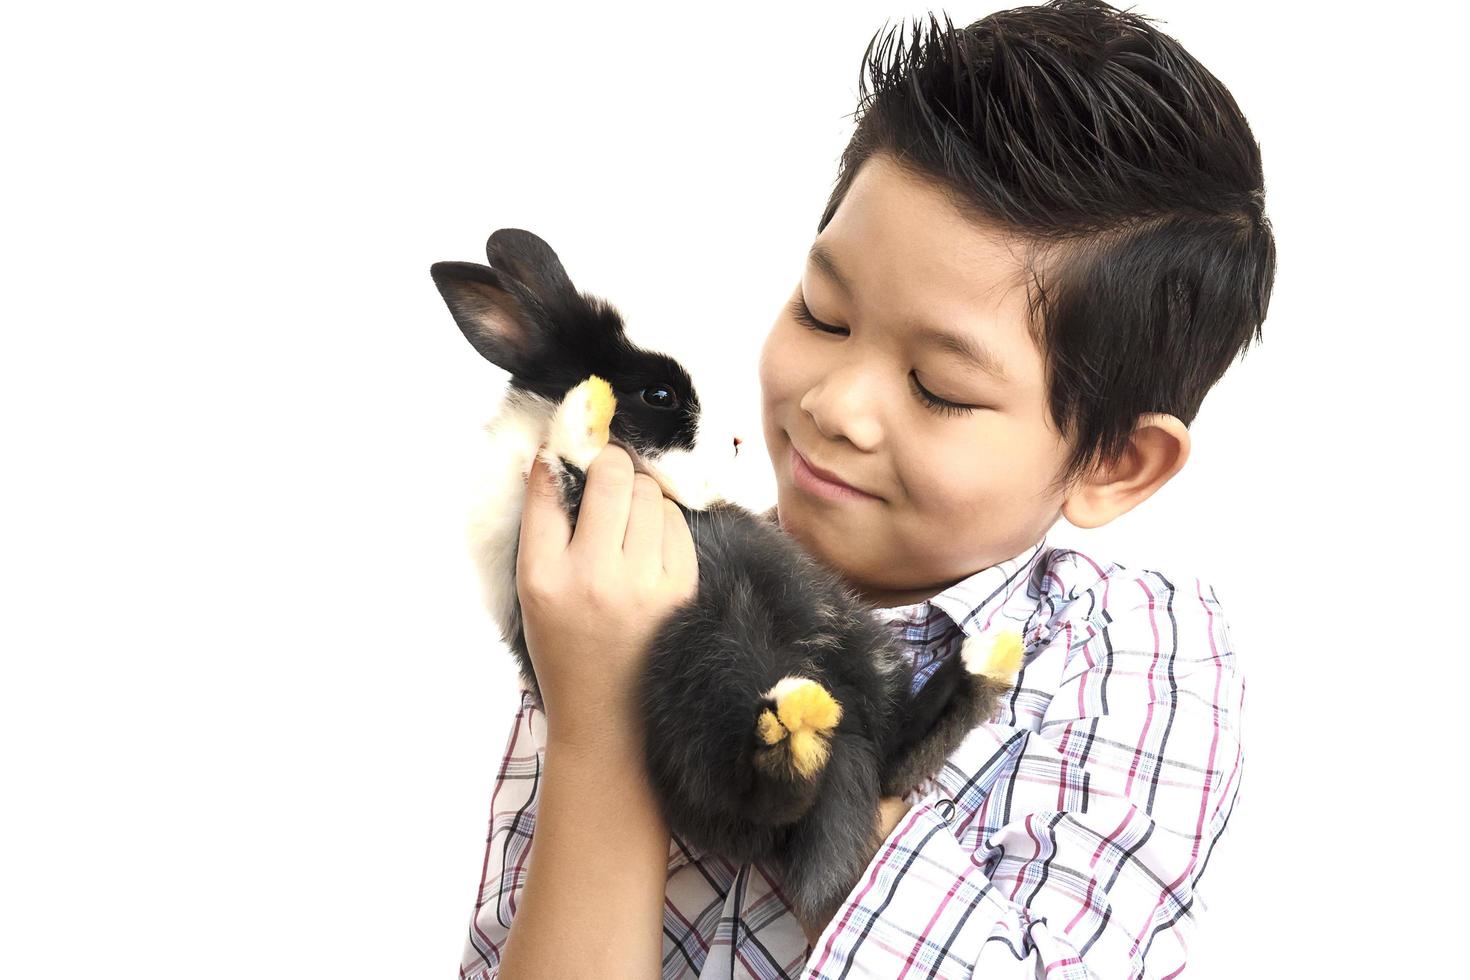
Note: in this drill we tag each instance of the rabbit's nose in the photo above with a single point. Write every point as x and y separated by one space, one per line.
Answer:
737 445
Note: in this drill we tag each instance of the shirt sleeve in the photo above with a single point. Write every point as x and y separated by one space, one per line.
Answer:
513 804
1070 843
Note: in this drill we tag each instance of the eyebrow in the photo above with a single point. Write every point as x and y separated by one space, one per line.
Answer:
963 346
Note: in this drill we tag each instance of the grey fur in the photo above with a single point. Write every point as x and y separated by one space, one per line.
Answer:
765 610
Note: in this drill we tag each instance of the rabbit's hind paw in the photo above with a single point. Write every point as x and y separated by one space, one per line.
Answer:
801 713
581 425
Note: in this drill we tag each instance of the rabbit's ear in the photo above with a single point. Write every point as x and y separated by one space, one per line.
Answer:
530 261
494 314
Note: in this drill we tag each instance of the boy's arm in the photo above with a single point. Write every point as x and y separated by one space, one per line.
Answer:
583 896
1075 850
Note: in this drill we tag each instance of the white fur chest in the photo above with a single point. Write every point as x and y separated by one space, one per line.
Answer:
494 528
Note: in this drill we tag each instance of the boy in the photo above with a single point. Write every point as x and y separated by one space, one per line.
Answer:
1045 244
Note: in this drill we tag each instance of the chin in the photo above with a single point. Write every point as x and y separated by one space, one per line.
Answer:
818 531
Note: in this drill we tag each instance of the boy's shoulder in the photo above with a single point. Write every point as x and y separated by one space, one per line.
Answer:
1079 590
1105 639
1073 572
1050 587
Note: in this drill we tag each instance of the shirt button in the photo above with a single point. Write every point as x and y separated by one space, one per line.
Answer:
946 809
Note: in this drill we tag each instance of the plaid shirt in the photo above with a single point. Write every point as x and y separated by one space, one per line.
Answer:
1065 838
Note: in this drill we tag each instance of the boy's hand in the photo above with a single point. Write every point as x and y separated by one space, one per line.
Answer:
891 809
592 602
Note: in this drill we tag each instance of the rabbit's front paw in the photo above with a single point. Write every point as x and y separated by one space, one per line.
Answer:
800 713
581 425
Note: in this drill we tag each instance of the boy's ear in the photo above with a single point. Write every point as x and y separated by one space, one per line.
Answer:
528 260
493 313
1157 449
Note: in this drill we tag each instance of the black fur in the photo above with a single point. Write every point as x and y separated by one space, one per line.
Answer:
764 610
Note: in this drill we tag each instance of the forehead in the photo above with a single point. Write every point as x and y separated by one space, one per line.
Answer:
913 259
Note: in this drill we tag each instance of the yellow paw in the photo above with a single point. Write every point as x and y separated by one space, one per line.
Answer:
806 713
582 422
1002 661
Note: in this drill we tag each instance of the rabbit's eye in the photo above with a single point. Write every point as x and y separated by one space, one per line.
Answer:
660 396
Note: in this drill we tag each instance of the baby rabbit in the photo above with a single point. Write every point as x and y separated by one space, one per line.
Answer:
777 708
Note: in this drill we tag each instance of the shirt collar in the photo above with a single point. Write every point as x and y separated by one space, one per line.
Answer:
971 602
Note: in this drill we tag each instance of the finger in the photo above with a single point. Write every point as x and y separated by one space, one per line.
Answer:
643 541
681 562
545 527
606 500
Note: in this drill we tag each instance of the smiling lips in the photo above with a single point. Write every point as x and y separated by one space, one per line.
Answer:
822 482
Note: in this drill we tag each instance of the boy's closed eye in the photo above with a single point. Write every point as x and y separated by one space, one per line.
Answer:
803 314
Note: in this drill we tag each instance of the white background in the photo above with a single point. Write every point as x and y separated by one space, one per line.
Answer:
251 707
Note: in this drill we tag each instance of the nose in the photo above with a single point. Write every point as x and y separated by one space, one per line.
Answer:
737 445
841 406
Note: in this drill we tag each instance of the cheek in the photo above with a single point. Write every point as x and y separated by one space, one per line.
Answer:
772 389
955 489
780 365
951 498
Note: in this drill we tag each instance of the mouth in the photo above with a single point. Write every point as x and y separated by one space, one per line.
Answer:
823 483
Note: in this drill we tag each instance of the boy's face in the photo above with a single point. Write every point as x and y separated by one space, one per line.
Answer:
947 493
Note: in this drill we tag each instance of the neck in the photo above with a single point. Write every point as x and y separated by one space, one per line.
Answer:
881 597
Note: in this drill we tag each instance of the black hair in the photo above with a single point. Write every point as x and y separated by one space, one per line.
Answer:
1124 168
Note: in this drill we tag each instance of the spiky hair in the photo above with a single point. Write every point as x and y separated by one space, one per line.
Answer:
1124 168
